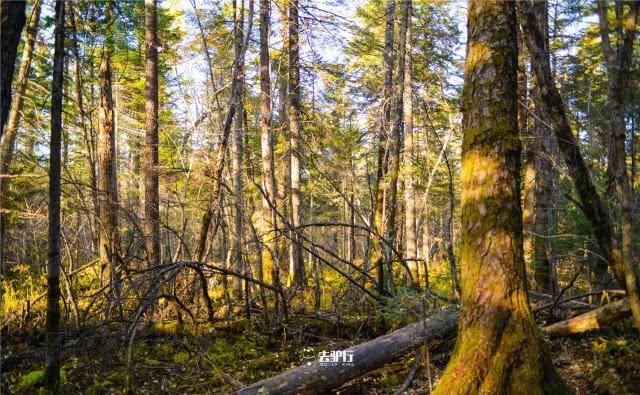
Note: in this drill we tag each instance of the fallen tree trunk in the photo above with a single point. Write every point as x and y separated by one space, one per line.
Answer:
593 319
318 378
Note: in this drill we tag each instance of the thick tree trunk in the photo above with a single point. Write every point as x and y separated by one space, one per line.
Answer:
150 168
411 239
12 20
319 378
296 258
53 338
8 138
269 217
375 254
109 245
499 349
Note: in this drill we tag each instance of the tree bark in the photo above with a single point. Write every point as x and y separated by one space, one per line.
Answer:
543 164
12 20
313 378
499 349
411 239
109 250
8 138
53 337
269 217
296 257
150 169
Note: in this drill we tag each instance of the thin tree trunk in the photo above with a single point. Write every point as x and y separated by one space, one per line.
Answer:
499 349
269 225
394 142
87 134
13 18
53 338
591 203
236 156
543 186
150 168
411 241
375 254
8 139
296 258
618 68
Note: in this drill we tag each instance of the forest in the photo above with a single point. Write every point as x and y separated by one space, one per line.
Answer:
319 197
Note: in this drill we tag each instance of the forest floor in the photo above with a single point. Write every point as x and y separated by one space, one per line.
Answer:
170 359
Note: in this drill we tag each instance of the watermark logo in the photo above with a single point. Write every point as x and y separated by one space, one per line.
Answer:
328 358
336 358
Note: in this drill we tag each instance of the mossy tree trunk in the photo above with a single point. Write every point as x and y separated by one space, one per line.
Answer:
499 348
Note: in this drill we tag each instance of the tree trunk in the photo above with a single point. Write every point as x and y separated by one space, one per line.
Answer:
87 134
109 250
543 164
590 320
296 258
411 240
499 349
150 170
314 378
13 18
592 206
8 138
236 155
375 254
396 131
269 217
618 68
53 338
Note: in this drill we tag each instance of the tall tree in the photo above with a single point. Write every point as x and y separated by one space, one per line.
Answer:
499 349
543 152
396 131
618 65
54 340
109 250
8 139
150 169
376 253
411 239
269 225
591 203
236 152
296 258
12 20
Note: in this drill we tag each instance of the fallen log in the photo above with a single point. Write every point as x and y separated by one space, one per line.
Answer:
319 377
590 320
